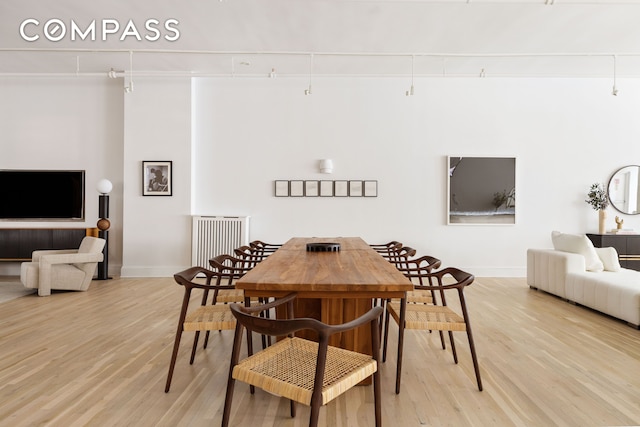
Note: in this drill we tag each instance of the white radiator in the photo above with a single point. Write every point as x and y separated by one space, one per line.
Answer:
217 235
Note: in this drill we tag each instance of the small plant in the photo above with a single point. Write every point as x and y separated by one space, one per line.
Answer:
597 197
500 198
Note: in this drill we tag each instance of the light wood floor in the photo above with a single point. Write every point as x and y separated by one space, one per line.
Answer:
100 358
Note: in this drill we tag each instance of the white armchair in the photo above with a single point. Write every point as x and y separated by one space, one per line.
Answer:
70 269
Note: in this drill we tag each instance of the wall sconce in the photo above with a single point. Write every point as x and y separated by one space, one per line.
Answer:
326 166
104 187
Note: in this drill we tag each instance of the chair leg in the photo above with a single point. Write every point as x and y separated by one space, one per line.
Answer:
444 346
472 348
174 356
206 339
194 348
315 413
386 336
292 408
377 399
226 414
453 347
401 325
383 303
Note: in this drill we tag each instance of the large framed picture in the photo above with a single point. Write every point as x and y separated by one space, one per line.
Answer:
481 190
157 178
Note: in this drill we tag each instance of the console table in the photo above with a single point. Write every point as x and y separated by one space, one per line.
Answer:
627 246
16 244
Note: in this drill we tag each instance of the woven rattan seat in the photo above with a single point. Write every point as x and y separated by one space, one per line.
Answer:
428 317
287 369
209 318
230 295
419 297
434 317
308 372
206 317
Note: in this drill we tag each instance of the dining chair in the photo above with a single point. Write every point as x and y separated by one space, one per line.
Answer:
386 248
400 255
434 317
206 317
252 255
413 269
303 371
230 268
265 248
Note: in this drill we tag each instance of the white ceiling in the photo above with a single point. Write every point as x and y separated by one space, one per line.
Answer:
545 38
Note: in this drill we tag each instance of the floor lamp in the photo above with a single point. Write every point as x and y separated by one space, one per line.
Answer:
104 188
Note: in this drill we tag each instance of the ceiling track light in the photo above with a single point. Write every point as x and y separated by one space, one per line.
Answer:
114 74
410 91
233 65
614 91
272 74
307 91
128 88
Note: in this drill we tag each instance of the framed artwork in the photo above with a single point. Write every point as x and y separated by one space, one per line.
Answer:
281 188
370 188
311 189
340 188
296 188
157 178
355 188
481 190
326 188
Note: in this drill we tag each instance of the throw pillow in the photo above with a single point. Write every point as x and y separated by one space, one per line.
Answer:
609 258
578 244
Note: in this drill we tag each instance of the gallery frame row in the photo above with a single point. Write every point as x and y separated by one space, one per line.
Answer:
326 188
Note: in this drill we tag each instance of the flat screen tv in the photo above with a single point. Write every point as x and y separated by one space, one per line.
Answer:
42 194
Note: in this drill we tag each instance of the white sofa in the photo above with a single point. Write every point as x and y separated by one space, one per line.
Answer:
588 276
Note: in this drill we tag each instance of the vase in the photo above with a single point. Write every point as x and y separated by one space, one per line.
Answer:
602 217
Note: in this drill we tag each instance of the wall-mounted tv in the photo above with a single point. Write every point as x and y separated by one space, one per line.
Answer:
42 194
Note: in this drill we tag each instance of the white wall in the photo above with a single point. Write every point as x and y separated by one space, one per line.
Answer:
238 135
65 123
565 133
157 229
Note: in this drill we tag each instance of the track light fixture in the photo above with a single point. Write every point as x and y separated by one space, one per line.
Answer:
114 74
128 81
307 91
614 91
410 91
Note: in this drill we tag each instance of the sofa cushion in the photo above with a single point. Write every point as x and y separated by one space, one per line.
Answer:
578 244
609 258
614 293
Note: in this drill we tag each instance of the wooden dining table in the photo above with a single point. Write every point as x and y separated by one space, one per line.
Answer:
333 287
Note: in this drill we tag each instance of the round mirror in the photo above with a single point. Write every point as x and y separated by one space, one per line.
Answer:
624 190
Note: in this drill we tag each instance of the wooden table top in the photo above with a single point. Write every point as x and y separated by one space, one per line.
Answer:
356 268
